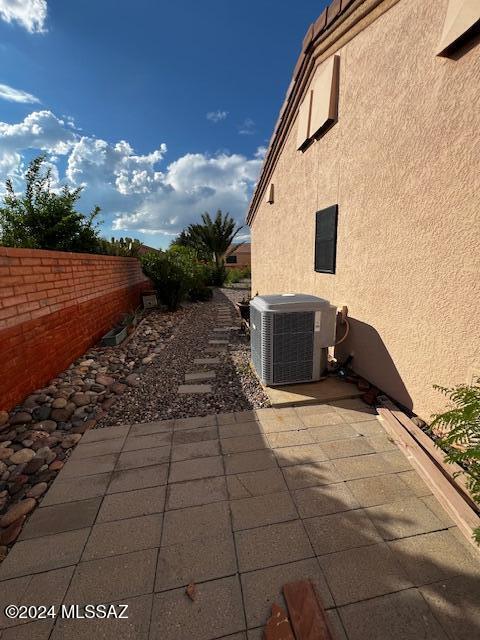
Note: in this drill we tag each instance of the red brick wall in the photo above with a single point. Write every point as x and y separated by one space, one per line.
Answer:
53 306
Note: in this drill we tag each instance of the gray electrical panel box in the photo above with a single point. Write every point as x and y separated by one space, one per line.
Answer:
290 335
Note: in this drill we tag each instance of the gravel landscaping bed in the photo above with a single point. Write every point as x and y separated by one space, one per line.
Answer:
235 388
136 381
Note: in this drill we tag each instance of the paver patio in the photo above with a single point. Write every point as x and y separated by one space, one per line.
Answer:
240 504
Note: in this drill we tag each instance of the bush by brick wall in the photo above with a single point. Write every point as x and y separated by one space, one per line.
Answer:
53 307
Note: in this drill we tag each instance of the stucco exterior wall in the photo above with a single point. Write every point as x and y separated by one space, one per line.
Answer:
403 164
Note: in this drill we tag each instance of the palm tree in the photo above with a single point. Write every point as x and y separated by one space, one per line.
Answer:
212 239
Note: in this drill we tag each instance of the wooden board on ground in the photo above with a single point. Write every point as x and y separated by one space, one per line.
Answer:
454 471
449 496
306 612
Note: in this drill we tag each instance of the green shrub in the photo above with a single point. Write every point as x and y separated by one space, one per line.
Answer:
200 294
201 277
246 272
237 273
170 275
176 274
462 440
44 218
234 275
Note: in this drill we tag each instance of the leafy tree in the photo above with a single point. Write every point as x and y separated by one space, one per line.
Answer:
126 247
45 219
212 240
462 439
185 239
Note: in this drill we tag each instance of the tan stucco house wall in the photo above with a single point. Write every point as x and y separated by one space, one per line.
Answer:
402 162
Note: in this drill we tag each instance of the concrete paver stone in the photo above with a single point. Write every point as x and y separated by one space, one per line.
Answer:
216 611
239 504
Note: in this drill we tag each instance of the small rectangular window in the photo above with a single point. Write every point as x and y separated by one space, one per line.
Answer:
326 239
231 260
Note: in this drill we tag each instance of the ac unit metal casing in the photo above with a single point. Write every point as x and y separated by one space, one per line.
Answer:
290 335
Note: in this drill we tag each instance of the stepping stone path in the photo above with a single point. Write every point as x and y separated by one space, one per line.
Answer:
218 343
207 361
195 388
200 375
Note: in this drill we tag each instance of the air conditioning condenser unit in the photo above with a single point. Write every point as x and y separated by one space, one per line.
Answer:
290 335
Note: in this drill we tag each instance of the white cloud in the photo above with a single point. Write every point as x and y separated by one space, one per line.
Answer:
247 128
30 14
39 130
260 152
216 116
191 185
93 162
11 166
135 194
16 95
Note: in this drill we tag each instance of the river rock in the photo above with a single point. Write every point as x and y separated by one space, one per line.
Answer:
37 490
118 388
71 440
45 455
46 425
22 456
3 418
56 465
62 415
5 453
108 403
22 417
104 380
10 534
35 437
18 510
133 380
80 399
41 413
31 402
59 403
33 466
45 476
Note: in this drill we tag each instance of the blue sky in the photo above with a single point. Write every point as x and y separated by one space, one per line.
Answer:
162 110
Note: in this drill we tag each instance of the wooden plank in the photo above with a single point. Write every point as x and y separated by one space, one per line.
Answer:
306 611
278 625
454 471
449 497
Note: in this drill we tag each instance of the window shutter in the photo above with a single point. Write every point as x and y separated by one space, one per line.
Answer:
325 96
462 16
270 194
326 239
303 121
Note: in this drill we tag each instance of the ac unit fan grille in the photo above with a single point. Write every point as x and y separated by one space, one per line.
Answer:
293 347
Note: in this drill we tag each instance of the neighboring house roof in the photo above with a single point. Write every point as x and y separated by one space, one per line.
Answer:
333 26
243 248
144 248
